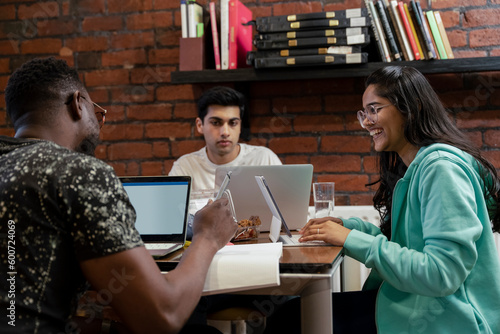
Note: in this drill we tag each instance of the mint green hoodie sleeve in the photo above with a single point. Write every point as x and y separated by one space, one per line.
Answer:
433 242
355 223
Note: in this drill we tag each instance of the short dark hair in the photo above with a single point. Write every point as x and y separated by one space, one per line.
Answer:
220 95
39 82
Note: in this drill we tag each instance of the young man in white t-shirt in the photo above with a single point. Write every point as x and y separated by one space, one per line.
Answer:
219 120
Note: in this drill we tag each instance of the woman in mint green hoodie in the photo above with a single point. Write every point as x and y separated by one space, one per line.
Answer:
433 259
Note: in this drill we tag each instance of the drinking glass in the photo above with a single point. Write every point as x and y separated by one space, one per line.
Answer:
324 199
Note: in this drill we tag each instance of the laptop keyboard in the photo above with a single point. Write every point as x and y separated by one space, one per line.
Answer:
294 240
160 246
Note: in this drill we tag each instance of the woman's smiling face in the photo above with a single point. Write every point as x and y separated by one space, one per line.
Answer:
388 131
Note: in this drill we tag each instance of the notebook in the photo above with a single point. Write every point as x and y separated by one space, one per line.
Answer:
278 221
161 204
291 186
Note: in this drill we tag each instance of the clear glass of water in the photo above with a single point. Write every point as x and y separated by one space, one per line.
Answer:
324 199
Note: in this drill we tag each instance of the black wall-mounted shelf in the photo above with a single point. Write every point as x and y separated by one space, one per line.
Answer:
459 65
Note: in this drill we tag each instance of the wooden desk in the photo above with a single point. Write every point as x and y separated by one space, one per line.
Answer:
304 271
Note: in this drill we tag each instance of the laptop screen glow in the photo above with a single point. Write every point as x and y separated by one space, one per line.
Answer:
160 206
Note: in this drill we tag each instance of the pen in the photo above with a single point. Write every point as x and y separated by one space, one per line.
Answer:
224 185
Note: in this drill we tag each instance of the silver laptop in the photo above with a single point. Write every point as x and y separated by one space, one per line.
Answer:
278 221
291 186
161 204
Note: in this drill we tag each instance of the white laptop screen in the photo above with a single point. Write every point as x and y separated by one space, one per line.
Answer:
161 206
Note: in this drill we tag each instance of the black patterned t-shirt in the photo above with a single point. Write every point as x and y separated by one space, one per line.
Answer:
57 208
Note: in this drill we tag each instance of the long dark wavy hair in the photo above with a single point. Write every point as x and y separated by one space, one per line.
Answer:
427 122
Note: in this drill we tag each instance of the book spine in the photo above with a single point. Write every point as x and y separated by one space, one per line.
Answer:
400 27
195 16
409 33
215 35
414 31
388 32
425 30
435 33
355 58
375 32
339 14
344 49
224 34
444 36
323 23
383 40
233 22
395 30
285 36
311 42
184 19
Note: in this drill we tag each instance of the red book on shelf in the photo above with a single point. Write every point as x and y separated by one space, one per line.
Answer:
215 35
240 35
409 32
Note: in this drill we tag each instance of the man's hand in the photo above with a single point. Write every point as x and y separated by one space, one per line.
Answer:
215 222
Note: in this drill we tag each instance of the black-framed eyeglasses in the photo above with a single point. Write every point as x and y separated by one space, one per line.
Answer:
100 114
370 113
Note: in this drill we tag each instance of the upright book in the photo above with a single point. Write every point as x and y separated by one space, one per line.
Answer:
414 31
224 34
386 25
215 35
394 27
436 34
184 19
406 44
409 33
444 36
195 17
240 33
419 17
378 32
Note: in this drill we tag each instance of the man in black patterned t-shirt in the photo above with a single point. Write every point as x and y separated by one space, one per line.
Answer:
65 219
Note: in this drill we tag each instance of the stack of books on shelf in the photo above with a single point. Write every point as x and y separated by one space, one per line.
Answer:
403 31
325 38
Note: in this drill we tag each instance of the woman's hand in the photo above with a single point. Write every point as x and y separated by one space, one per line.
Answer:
328 229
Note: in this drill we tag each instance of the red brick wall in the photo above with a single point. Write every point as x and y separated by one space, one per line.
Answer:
125 51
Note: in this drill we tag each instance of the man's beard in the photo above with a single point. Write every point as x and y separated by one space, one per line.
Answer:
88 145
